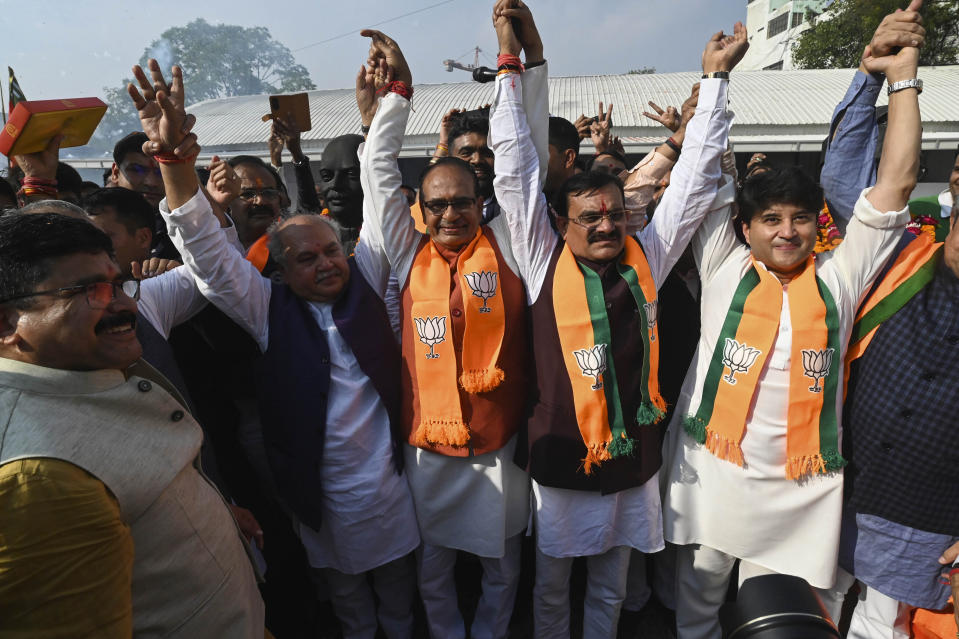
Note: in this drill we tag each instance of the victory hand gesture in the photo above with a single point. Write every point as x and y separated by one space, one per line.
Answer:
161 112
723 52
600 130
668 117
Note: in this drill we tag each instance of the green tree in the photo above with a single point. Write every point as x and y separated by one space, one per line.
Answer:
837 37
220 60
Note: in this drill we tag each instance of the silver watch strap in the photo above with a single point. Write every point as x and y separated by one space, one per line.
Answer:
913 83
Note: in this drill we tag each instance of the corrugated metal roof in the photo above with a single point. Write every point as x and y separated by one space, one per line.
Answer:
782 109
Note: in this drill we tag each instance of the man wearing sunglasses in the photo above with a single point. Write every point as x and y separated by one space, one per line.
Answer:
108 526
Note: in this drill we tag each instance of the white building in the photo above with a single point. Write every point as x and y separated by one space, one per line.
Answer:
773 27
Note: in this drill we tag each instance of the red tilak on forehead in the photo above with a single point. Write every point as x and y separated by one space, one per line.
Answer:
602 206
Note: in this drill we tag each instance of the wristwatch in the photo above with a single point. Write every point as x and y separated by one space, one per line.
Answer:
914 83
722 75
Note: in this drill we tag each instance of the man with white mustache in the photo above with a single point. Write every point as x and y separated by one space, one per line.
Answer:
327 382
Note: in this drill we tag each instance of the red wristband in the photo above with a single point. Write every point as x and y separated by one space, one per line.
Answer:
399 87
38 181
509 61
170 158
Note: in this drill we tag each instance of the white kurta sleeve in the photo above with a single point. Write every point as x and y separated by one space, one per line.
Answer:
693 184
169 299
386 215
518 183
871 237
223 276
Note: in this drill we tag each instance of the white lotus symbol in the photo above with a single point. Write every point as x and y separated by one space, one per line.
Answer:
650 308
738 358
816 365
592 361
432 331
483 285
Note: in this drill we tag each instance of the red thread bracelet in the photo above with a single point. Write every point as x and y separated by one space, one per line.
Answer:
399 87
170 158
509 61
38 181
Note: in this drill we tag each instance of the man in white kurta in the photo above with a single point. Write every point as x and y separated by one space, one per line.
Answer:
478 503
718 511
570 523
368 518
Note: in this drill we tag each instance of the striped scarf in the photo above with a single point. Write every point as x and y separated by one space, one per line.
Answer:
585 338
747 336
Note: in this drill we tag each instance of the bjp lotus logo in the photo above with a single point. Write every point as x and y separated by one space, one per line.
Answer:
650 308
484 286
737 358
816 365
592 361
432 331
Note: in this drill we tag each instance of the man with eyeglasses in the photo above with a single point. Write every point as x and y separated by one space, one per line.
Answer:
108 526
327 379
594 442
463 322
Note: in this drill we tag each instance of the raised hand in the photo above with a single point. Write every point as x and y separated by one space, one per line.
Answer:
383 46
668 117
224 184
162 114
152 267
600 130
688 108
42 164
583 125
899 29
446 124
275 145
523 25
902 65
723 52
509 43
368 82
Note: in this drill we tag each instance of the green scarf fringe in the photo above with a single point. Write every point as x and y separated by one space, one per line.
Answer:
696 428
622 447
834 461
648 413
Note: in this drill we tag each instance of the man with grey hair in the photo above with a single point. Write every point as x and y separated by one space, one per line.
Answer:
327 382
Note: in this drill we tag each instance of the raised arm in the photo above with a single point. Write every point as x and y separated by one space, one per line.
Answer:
518 169
695 177
222 275
386 214
899 163
853 135
882 211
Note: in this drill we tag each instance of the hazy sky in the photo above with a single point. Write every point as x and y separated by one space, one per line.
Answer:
66 48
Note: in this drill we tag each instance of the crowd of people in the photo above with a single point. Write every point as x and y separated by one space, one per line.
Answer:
217 408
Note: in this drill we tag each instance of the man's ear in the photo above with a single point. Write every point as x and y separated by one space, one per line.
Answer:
9 316
143 237
562 225
114 173
569 158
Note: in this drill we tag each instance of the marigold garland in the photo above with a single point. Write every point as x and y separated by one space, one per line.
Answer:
828 236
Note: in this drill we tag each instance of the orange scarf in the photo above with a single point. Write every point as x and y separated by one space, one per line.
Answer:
259 252
585 337
910 272
747 336
441 416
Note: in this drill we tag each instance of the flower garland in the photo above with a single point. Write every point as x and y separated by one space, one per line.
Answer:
828 236
922 224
